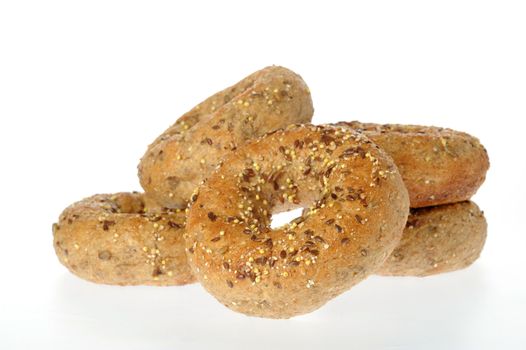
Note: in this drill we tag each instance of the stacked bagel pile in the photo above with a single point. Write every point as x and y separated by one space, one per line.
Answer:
377 199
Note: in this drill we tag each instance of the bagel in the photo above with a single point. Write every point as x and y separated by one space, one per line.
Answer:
438 239
358 207
438 165
177 161
114 239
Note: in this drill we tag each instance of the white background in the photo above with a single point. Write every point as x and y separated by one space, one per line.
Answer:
85 86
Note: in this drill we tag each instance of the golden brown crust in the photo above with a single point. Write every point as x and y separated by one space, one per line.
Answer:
438 165
358 206
177 161
438 239
114 239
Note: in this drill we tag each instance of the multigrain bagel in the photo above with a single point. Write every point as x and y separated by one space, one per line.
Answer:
438 165
115 239
178 160
358 206
438 239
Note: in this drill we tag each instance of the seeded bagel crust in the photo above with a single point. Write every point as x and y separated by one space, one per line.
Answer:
178 160
115 239
438 239
358 207
438 165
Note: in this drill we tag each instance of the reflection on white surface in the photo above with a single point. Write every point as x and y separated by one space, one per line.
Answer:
380 313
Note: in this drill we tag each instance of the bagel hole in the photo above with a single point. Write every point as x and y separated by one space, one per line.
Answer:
280 219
